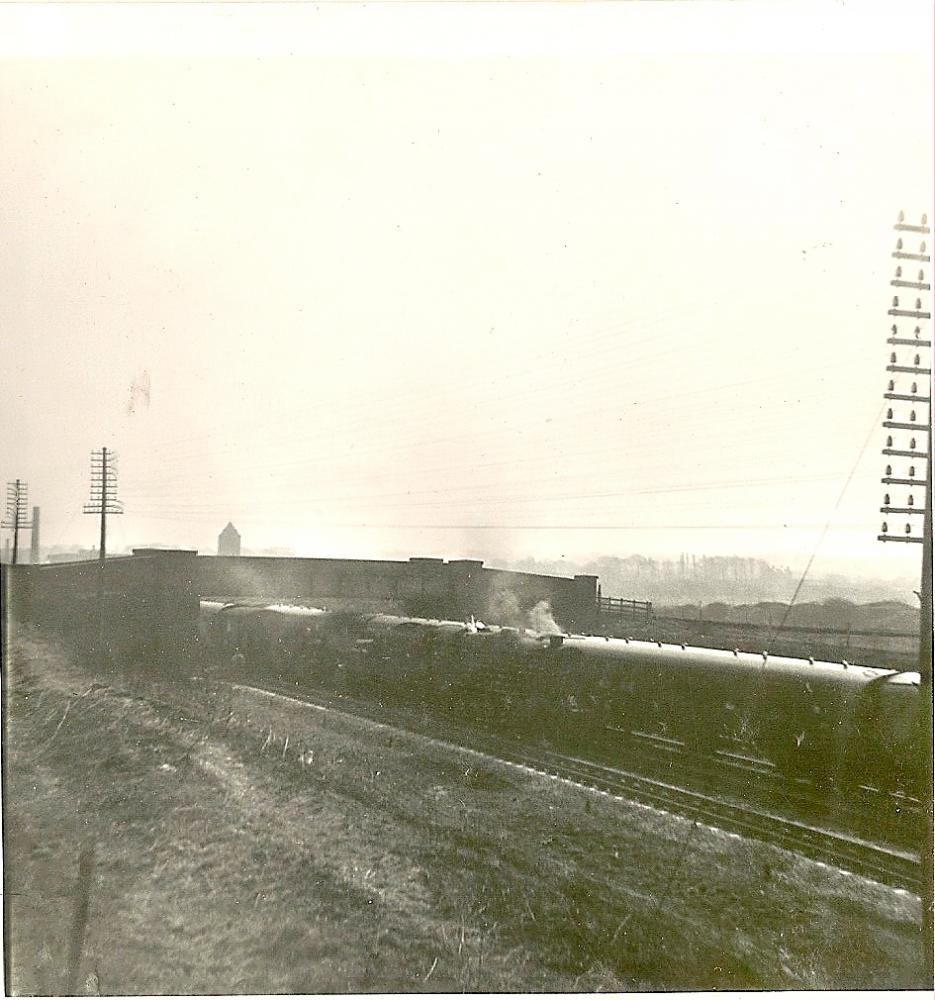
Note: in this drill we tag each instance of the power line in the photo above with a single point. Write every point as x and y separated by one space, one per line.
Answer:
827 525
446 501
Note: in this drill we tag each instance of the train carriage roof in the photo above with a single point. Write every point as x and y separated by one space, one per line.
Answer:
295 610
604 651
678 657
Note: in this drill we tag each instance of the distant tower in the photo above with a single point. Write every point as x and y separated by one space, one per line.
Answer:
34 541
229 541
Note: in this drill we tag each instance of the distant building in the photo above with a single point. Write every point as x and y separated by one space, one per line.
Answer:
72 555
229 541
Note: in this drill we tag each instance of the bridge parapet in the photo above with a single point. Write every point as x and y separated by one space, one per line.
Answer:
139 608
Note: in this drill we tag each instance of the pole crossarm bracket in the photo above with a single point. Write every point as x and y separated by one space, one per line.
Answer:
897 425
911 313
908 342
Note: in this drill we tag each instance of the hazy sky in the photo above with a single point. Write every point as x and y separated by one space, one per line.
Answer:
440 280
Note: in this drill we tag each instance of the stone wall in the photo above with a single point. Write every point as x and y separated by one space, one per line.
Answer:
150 599
149 604
429 587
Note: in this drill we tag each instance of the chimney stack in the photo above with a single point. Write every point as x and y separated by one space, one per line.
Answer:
34 541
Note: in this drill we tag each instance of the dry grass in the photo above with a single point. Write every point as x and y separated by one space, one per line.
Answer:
249 845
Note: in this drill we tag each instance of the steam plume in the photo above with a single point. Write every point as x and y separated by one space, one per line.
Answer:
541 620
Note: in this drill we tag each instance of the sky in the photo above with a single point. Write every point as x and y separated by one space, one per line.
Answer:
461 280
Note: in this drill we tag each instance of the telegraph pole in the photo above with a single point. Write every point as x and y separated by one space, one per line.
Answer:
17 499
103 501
910 362
103 492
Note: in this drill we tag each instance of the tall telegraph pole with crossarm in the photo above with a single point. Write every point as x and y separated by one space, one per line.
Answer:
103 501
909 445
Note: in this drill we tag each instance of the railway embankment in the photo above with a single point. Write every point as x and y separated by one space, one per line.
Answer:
192 838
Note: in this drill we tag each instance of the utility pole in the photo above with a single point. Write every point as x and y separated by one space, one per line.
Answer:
17 501
103 492
910 362
103 501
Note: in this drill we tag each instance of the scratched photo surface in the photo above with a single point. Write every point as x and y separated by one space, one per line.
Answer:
468 501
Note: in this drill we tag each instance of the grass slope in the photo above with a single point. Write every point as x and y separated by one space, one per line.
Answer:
244 844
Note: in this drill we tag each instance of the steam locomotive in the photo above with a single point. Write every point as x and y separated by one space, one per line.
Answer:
833 724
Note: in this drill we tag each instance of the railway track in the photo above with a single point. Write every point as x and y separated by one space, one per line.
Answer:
882 863
864 813
885 863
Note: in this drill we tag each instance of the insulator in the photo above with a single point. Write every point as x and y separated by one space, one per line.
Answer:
921 275
886 499
885 527
889 441
899 243
912 416
922 247
889 414
895 301
915 388
908 529
912 502
899 272
918 303
916 361
917 332
912 471
893 358
889 470
912 444
925 220
902 216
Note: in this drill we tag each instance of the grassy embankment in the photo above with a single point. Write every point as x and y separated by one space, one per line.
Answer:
245 845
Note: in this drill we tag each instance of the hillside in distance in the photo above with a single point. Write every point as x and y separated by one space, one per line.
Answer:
831 613
730 580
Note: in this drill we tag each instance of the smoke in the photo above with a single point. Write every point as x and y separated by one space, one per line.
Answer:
504 609
541 620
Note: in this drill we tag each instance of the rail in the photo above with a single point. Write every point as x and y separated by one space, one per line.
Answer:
885 863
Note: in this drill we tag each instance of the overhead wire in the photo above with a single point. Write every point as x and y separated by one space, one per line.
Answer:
485 378
746 429
874 427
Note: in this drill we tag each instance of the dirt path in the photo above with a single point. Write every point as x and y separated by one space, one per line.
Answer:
242 846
